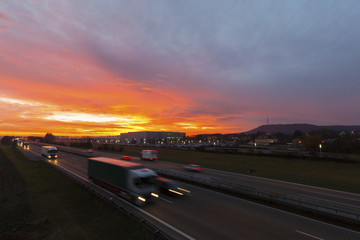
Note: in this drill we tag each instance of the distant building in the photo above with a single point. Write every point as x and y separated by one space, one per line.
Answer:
148 137
265 140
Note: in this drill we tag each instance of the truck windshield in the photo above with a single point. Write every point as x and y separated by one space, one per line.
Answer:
52 151
144 182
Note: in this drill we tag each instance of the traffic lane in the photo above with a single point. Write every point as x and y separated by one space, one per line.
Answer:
349 201
75 163
194 216
331 198
204 217
212 215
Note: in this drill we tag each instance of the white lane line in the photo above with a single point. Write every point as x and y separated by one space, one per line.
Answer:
329 201
309 235
166 224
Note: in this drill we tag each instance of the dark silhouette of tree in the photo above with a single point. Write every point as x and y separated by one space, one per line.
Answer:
282 138
49 138
298 134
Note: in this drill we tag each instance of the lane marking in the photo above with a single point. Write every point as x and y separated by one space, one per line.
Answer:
166 224
309 235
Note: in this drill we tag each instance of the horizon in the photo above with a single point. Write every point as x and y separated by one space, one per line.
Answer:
196 67
277 124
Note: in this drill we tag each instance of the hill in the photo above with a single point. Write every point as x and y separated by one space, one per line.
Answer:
291 128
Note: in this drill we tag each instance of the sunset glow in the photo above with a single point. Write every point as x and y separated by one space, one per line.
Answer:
194 67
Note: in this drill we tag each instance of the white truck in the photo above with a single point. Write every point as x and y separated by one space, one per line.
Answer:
131 181
149 155
49 152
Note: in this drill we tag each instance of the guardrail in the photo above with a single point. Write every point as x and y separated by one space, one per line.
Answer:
291 200
146 226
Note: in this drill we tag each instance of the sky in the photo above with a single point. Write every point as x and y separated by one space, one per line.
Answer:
94 67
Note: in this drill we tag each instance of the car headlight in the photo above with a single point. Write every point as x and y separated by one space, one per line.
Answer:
141 199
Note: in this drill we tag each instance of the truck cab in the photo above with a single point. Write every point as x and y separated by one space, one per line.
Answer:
149 155
49 152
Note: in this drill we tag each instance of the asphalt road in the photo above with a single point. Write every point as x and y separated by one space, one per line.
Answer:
212 215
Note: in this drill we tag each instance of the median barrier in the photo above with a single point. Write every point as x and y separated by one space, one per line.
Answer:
291 200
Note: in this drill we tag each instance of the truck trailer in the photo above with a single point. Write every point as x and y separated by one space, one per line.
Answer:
131 181
149 155
49 152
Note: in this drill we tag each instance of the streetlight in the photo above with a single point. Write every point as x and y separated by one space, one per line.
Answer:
320 147
255 146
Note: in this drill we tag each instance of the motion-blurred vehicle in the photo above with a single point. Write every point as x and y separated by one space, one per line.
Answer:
91 151
132 181
127 158
26 145
193 168
49 152
170 187
148 155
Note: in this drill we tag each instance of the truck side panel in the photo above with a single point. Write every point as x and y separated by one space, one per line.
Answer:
108 173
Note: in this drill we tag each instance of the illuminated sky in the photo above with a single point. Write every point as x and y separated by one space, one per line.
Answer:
91 67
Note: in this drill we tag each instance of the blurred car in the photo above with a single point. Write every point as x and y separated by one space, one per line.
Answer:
26 146
193 168
91 151
170 187
127 158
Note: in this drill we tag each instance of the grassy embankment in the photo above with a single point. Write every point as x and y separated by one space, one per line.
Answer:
38 202
328 174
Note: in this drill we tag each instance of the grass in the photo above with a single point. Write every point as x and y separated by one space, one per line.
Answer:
38 202
327 174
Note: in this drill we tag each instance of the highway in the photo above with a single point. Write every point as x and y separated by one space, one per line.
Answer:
211 215
327 197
